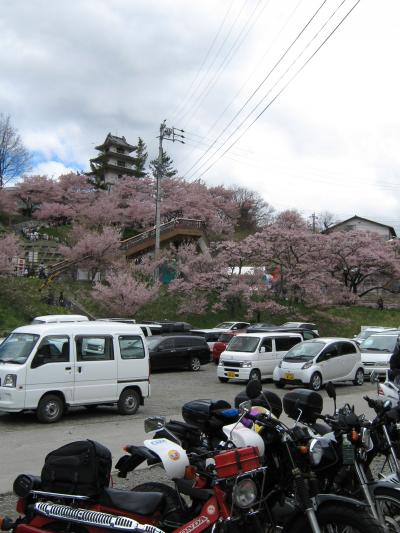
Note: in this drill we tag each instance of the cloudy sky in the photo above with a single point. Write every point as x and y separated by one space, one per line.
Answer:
326 139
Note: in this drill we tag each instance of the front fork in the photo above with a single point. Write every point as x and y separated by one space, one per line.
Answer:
365 488
306 502
393 461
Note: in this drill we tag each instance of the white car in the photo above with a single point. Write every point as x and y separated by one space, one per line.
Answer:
315 362
376 351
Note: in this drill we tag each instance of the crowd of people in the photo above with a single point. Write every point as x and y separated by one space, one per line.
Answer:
34 233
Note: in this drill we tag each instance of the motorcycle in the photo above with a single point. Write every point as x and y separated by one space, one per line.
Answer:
340 458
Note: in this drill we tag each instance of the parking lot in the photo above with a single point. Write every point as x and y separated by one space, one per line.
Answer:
25 442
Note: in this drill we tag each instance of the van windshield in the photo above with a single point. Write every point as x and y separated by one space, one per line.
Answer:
379 343
17 347
304 351
243 344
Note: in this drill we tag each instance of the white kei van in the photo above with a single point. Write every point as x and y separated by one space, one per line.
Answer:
54 319
254 355
49 367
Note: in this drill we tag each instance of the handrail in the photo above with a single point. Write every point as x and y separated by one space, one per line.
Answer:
184 223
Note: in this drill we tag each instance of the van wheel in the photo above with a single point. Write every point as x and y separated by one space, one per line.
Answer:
316 382
359 377
50 409
194 364
255 374
223 380
128 402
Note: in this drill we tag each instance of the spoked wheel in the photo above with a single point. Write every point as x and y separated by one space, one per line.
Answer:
388 507
335 518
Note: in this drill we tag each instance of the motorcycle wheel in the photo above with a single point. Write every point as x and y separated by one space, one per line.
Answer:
174 515
388 507
335 518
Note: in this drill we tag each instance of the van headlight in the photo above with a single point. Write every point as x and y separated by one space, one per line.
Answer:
246 364
316 452
309 364
10 381
245 493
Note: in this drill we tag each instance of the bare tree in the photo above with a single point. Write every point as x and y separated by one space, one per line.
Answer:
254 211
325 220
14 157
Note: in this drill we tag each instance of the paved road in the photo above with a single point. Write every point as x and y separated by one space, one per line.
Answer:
24 442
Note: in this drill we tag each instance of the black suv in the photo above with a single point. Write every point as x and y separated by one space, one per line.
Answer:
177 351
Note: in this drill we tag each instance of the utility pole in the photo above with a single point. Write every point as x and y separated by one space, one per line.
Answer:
169 134
314 218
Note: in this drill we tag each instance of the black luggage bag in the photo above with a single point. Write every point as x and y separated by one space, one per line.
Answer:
80 467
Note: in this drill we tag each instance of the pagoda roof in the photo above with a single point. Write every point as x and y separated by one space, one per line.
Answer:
113 140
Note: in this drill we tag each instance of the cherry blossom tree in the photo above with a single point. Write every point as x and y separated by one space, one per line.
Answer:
126 291
32 191
95 251
9 249
8 204
362 261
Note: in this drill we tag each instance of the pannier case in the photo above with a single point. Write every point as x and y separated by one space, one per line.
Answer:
307 401
233 462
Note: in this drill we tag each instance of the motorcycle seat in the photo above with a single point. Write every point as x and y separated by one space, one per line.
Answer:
143 503
321 428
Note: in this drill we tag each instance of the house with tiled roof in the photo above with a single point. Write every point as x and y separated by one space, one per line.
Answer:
114 159
364 224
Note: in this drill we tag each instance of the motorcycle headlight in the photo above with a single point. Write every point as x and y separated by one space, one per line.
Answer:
316 452
245 493
366 440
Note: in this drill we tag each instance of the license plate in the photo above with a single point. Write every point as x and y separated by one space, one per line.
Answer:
231 374
289 375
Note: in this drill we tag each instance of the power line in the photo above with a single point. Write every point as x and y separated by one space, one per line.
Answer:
234 48
180 116
183 103
280 91
257 89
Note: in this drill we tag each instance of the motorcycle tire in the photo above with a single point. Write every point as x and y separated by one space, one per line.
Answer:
387 502
174 515
337 518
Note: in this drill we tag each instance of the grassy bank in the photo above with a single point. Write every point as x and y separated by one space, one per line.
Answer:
22 298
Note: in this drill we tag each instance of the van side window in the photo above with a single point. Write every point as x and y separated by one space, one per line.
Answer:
131 347
283 344
52 349
267 344
94 348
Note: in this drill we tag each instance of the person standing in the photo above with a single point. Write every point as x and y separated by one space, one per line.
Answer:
395 362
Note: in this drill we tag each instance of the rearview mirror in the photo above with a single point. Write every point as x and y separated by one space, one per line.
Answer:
262 349
154 422
330 389
253 389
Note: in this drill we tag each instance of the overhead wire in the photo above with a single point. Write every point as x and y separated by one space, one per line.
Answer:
210 66
298 71
259 86
179 108
228 57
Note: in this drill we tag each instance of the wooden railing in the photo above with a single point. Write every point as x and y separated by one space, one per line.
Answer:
181 223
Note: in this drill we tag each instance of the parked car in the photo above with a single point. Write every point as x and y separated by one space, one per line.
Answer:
302 325
178 351
49 367
305 333
211 335
147 330
167 326
254 356
377 349
367 331
221 344
313 363
232 326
